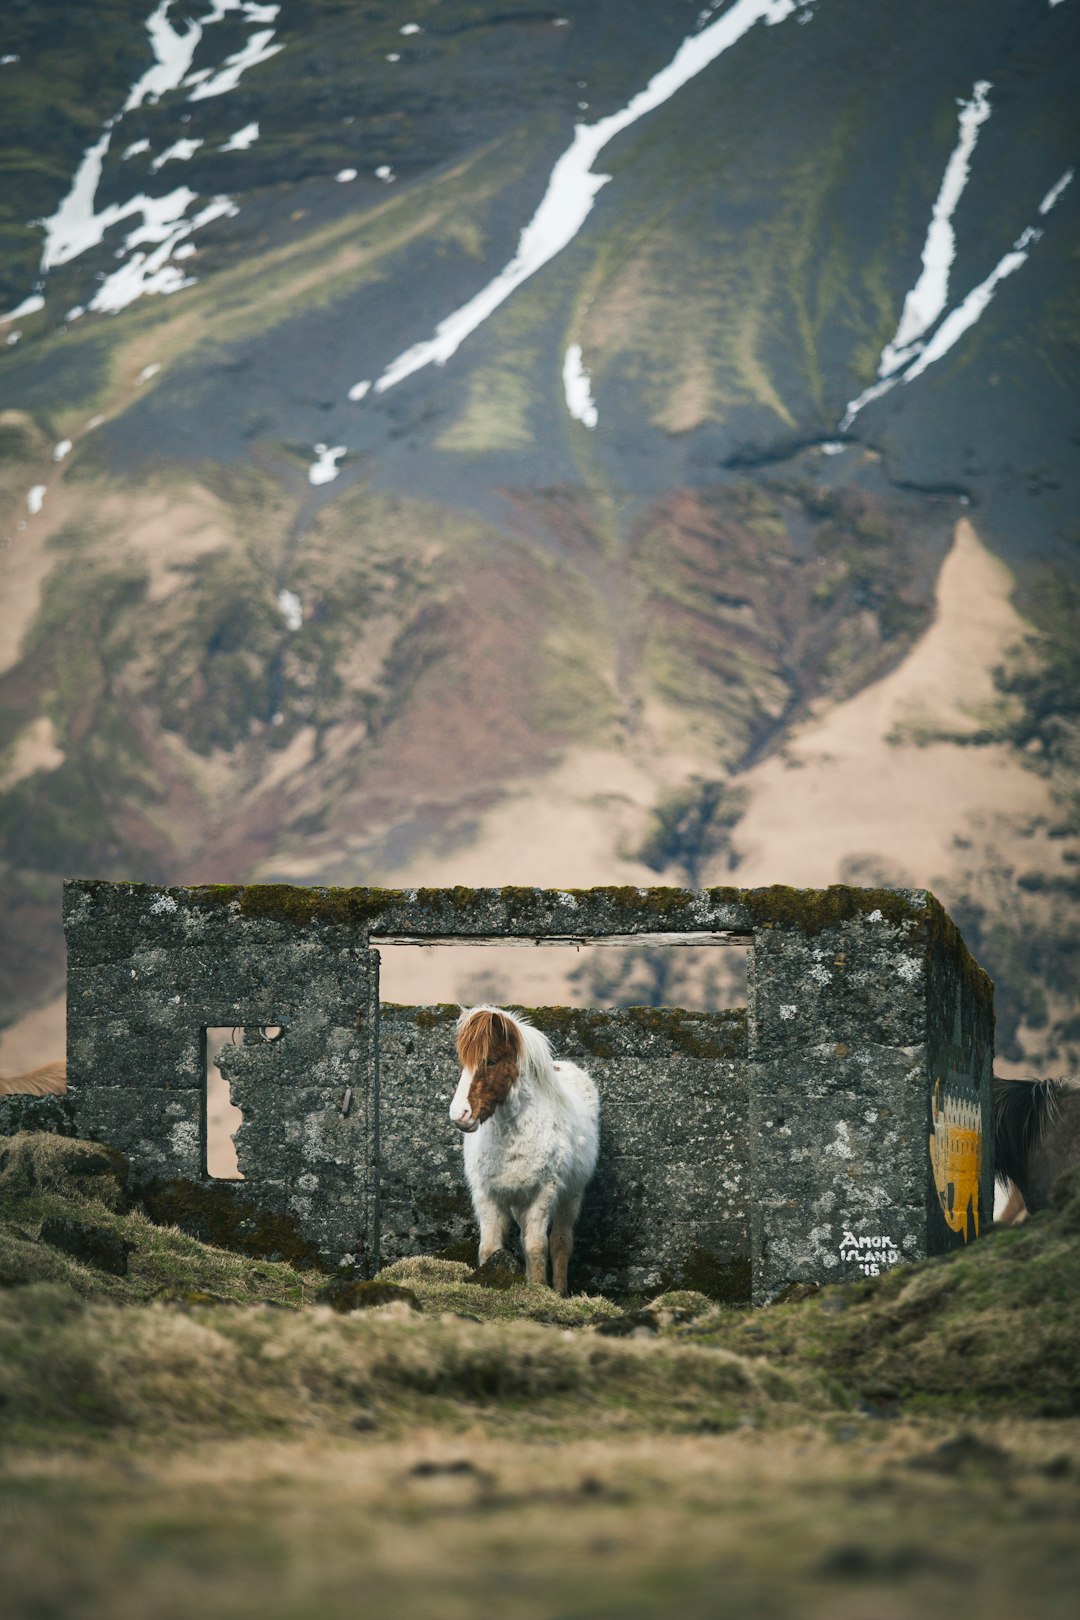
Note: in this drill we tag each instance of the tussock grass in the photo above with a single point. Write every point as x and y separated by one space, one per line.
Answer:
502 1451
71 1369
443 1285
991 1329
199 1346
43 1176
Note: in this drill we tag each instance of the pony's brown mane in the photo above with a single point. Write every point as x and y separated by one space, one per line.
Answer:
489 1046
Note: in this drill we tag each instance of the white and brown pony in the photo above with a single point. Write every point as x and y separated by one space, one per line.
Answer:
532 1130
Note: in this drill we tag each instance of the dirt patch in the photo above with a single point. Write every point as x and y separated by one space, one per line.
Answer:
36 1039
867 780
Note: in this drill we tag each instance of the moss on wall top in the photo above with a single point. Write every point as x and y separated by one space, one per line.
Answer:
811 911
593 1030
515 912
292 903
945 940
535 912
603 1032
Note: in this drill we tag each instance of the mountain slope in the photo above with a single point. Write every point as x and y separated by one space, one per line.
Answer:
338 513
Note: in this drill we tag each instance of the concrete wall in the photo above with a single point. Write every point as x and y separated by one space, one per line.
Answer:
861 1102
852 1032
148 972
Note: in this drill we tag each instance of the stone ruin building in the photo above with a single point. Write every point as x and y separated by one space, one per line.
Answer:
837 1125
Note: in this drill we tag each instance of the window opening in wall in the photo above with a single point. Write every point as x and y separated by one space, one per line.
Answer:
699 976
223 1118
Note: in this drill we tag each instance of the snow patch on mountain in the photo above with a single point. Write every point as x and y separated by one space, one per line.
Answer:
959 320
572 186
173 53
326 468
180 151
291 610
577 388
917 345
258 49
926 300
77 225
165 223
1053 196
242 139
29 306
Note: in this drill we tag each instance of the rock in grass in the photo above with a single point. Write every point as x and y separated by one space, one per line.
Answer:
500 1270
964 1451
796 1292
632 1325
346 1294
31 1163
95 1245
429 1469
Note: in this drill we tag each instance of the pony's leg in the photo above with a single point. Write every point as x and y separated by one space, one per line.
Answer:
493 1223
562 1243
535 1233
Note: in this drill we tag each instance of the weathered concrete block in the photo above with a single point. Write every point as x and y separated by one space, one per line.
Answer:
160 1130
857 1025
51 1115
150 970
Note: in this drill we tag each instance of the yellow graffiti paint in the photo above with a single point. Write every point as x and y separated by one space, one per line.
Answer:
956 1157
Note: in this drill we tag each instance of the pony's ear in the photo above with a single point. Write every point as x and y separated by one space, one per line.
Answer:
505 1030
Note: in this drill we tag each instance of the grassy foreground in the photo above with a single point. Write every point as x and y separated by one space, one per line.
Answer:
199 1436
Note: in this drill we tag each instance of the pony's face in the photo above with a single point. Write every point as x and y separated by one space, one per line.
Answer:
489 1046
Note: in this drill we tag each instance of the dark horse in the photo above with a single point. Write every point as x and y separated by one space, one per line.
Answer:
1036 1135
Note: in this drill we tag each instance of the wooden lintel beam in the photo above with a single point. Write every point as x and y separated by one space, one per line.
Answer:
723 937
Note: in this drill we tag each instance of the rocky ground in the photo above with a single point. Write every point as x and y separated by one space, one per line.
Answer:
192 1431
